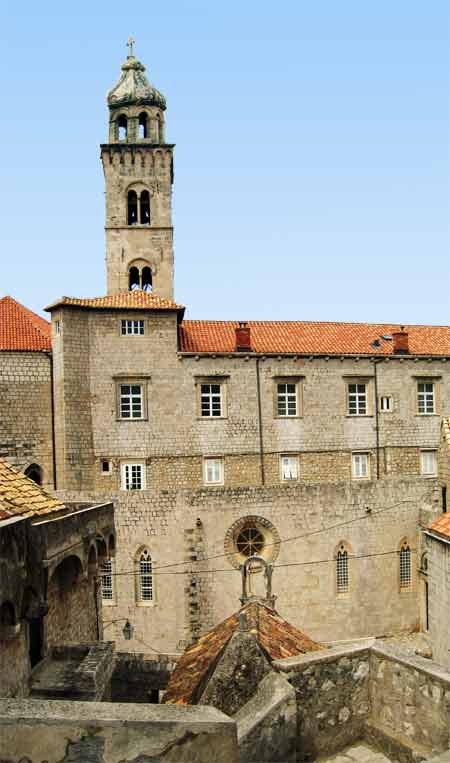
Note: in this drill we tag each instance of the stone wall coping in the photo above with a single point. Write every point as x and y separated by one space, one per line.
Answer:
273 692
98 714
432 669
302 661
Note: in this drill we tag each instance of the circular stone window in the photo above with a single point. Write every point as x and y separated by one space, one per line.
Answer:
251 536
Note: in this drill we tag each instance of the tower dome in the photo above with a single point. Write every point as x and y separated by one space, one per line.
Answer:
133 87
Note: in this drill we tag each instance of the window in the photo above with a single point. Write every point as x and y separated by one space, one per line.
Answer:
132 210
405 566
133 279
131 401
425 398
57 328
133 476
289 468
143 121
287 403
106 581
146 279
211 400
144 205
342 570
122 127
444 498
106 466
213 471
357 399
145 577
360 466
385 404
250 541
428 463
132 327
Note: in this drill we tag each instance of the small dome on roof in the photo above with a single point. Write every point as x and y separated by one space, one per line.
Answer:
133 87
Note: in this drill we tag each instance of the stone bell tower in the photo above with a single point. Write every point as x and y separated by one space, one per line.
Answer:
138 169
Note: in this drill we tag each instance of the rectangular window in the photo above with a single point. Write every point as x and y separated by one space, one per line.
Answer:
131 401
385 404
405 566
428 463
133 476
57 327
289 468
360 466
287 402
342 571
106 466
425 398
132 327
357 399
106 581
211 400
213 471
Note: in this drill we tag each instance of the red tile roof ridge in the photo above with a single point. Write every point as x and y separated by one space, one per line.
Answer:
122 300
21 329
306 322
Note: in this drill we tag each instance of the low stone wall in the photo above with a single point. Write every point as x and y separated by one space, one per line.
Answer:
104 732
332 691
139 678
75 671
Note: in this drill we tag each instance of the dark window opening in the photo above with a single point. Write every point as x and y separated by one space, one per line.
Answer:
7 614
122 127
34 472
143 122
36 640
158 129
105 466
444 499
132 208
145 208
153 696
133 281
146 279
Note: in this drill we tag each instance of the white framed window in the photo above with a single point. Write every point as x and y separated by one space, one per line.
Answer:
132 327
287 399
342 577
360 466
106 581
57 327
405 566
386 404
426 398
428 463
357 399
145 588
213 471
133 475
289 468
211 400
131 401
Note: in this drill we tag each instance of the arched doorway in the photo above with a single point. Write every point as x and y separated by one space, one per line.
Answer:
34 472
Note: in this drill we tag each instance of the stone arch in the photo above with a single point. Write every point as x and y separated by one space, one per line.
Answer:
121 127
67 573
234 544
35 473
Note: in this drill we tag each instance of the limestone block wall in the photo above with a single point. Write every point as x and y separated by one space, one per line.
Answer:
26 411
103 732
438 579
14 666
72 614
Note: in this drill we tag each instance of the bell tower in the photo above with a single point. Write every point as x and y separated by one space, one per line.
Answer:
138 169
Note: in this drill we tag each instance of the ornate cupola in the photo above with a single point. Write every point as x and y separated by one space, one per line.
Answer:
138 168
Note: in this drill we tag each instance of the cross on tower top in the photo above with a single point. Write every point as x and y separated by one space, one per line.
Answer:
130 44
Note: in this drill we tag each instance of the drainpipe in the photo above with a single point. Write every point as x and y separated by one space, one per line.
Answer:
52 394
260 424
377 418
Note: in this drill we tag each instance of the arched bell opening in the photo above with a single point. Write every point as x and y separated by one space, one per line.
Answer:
144 203
143 125
122 127
132 208
147 284
133 279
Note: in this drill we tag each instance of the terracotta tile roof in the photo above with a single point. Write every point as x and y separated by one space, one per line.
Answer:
441 526
20 496
21 329
311 338
276 636
126 300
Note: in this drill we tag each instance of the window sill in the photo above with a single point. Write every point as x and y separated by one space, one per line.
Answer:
427 415
145 604
284 418
212 418
429 476
289 482
359 415
213 484
108 603
361 479
131 421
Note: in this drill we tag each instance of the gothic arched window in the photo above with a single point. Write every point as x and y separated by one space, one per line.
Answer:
405 565
132 216
146 279
144 203
122 127
133 279
342 577
143 125
145 577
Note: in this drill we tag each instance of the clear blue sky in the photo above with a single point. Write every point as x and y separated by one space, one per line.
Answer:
312 170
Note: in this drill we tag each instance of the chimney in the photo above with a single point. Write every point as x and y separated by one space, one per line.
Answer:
401 343
243 339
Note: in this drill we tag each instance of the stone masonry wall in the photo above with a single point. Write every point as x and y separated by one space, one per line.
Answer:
72 614
26 411
14 666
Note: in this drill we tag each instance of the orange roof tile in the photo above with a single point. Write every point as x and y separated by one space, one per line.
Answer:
20 496
441 526
312 338
126 300
276 636
21 329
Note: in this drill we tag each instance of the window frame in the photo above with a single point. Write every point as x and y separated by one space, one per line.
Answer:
219 460
342 589
123 475
433 383
131 382
380 404
110 600
357 454
285 380
358 382
140 601
295 458
405 582
219 381
423 453
124 323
